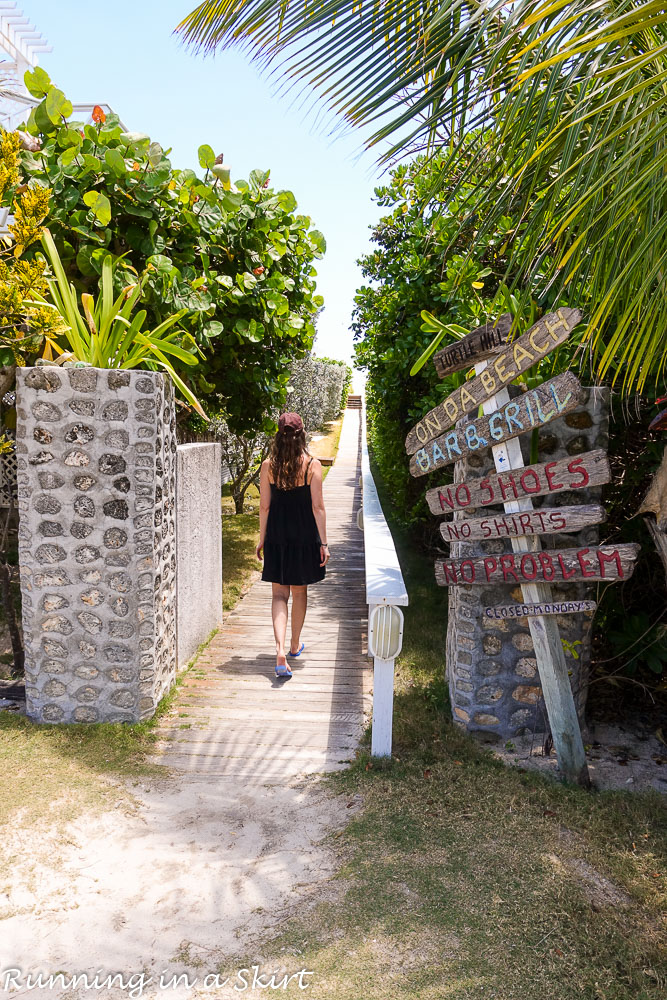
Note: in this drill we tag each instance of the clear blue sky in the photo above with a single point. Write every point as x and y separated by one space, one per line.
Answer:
124 53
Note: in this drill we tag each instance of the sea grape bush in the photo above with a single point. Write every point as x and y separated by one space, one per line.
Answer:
316 389
347 379
237 257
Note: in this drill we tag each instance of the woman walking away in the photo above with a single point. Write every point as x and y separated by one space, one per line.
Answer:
292 531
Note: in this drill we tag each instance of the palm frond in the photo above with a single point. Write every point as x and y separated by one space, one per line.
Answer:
562 102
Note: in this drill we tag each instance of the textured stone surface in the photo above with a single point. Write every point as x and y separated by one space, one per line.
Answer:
502 667
199 533
97 544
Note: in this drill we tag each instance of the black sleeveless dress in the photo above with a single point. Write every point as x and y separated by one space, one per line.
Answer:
292 541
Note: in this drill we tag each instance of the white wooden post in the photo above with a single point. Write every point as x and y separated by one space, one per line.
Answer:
383 707
561 710
384 586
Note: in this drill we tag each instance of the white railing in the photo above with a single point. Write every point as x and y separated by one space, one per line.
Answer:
385 594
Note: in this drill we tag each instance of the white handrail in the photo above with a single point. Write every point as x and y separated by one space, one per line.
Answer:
384 586
384 580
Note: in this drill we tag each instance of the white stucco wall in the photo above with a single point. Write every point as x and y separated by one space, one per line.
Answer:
198 546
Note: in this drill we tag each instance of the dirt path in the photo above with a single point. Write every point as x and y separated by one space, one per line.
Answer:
202 864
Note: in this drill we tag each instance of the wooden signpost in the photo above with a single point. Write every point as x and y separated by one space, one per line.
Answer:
542 338
534 409
533 610
545 521
432 445
582 472
481 343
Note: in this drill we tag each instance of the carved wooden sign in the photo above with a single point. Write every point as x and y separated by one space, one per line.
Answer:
535 610
547 334
478 345
589 469
545 521
607 562
533 409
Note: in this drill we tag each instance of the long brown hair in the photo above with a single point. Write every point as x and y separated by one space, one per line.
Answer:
287 449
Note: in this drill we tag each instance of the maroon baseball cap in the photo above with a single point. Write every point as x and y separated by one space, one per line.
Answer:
290 422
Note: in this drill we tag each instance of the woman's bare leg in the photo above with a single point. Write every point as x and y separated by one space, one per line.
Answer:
279 616
299 605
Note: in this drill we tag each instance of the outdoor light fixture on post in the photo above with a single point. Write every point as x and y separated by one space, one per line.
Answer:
385 631
385 641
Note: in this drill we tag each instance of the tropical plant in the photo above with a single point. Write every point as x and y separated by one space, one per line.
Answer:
421 282
566 101
104 333
27 331
237 257
315 390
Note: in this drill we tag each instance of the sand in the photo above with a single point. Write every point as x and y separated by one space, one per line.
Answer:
181 875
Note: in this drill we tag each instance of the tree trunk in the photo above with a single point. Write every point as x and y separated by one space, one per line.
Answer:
7 379
10 616
654 510
239 497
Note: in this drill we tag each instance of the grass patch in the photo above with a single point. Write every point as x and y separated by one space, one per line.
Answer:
462 878
240 533
328 438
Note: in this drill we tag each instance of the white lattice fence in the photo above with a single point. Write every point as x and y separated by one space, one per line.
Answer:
8 478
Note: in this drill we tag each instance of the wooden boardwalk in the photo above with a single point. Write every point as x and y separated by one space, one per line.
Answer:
243 722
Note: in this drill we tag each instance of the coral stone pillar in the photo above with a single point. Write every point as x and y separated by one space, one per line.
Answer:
96 453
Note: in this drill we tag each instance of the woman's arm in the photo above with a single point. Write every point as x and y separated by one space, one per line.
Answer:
319 512
264 504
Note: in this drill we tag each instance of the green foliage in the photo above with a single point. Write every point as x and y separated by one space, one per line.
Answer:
567 104
105 334
639 643
347 383
26 330
235 259
422 294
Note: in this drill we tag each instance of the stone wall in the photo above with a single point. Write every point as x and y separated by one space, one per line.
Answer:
199 546
96 454
492 672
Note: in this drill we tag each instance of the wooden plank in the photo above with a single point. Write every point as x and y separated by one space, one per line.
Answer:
545 521
481 343
548 401
502 611
548 333
606 562
586 470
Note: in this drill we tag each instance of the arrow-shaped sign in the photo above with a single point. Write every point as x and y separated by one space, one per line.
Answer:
542 338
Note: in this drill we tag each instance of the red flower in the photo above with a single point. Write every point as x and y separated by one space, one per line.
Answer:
99 116
258 270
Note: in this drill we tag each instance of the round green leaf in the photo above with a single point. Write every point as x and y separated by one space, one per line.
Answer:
100 206
68 156
57 105
206 157
37 81
213 329
318 239
113 159
134 139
